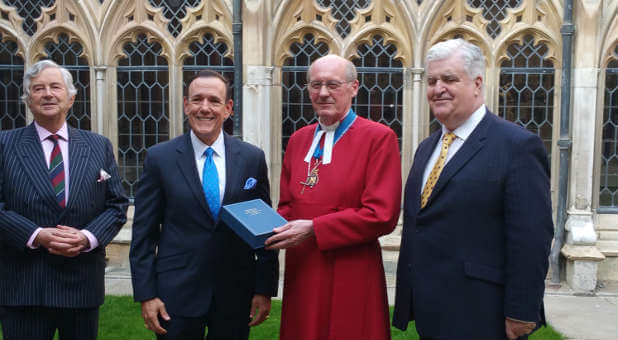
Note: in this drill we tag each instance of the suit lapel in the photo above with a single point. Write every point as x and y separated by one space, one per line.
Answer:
79 153
232 177
186 163
32 158
471 146
416 174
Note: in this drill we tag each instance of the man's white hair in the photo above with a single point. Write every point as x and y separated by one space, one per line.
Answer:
474 61
37 68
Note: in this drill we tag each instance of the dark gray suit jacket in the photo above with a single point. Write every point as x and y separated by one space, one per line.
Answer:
27 201
178 252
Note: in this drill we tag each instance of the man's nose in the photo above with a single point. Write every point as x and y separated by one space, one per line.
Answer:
324 91
205 105
439 87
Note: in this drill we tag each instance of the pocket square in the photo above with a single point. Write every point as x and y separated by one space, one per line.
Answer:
250 183
103 176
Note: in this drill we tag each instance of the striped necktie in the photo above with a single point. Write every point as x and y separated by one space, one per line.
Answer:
437 168
210 183
56 171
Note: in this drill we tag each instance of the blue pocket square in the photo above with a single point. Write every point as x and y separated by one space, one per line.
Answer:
250 183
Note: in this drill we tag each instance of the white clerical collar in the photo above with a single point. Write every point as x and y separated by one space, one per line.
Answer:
329 139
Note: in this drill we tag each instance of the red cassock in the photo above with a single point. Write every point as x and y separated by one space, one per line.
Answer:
334 285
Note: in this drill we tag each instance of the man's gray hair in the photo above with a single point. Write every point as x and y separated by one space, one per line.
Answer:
474 61
350 71
37 68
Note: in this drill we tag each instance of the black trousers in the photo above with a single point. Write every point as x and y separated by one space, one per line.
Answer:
222 325
40 323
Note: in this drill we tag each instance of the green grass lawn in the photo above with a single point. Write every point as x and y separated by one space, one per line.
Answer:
121 319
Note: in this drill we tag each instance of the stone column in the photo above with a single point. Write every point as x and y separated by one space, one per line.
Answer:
256 121
580 250
100 97
413 127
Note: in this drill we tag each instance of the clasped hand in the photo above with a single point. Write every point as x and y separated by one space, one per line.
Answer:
62 240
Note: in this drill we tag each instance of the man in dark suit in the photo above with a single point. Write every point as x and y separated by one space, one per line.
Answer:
477 214
189 269
61 203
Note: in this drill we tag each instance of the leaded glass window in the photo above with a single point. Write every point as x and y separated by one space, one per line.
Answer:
527 89
344 12
174 10
608 194
143 118
494 11
297 110
69 55
12 113
380 92
210 55
29 10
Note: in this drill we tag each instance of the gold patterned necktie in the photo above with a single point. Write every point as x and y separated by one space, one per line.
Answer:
447 140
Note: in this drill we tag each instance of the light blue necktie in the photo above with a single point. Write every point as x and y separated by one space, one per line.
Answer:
210 183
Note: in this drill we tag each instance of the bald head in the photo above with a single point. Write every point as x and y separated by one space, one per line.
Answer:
349 70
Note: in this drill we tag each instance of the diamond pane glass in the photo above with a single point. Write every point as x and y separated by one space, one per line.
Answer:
608 194
68 54
143 118
297 110
29 10
210 55
527 89
494 11
12 110
380 92
174 10
344 11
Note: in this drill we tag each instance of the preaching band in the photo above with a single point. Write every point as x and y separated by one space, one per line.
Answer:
477 219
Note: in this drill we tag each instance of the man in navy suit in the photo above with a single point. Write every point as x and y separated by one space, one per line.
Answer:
477 214
190 270
61 203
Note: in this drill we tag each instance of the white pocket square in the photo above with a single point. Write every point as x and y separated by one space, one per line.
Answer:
103 176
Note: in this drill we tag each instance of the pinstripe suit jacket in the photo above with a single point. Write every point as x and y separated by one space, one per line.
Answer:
27 201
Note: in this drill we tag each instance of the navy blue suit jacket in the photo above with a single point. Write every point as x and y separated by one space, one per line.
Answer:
27 201
178 252
477 252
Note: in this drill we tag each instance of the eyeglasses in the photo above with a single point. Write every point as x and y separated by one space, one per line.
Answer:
331 85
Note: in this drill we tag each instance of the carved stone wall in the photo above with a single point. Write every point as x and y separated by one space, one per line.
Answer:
273 28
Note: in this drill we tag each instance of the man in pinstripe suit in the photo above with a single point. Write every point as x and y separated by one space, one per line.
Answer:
61 202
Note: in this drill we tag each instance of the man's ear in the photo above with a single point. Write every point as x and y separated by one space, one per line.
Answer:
478 83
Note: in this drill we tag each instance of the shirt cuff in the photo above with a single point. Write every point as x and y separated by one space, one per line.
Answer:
91 239
30 243
523 321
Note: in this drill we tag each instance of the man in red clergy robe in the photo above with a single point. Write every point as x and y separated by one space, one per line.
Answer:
340 190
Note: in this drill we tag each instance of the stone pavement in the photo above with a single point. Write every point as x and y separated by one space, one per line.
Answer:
579 317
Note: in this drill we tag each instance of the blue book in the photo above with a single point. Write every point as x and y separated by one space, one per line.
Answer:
253 221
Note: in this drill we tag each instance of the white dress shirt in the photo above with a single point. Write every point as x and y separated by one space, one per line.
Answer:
462 132
218 157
